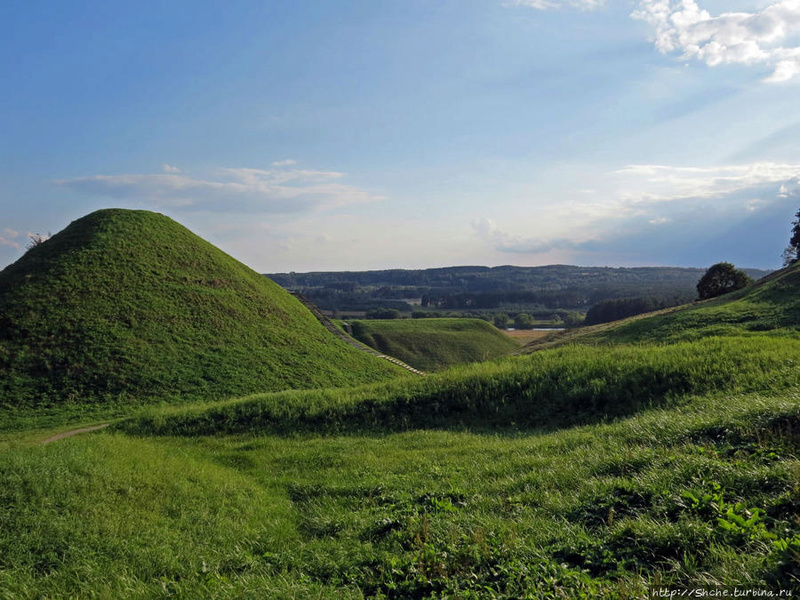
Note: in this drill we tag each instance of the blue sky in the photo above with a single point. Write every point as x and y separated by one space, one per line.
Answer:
369 134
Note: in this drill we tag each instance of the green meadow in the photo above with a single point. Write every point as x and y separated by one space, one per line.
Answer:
658 451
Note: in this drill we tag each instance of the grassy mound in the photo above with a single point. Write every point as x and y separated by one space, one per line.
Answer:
434 344
131 305
772 304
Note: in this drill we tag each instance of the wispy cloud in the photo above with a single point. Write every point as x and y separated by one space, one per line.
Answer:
8 238
658 202
230 189
732 37
547 4
660 183
170 168
284 163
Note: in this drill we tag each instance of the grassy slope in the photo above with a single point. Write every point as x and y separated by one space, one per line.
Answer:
129 305
434 344
770 306
464 484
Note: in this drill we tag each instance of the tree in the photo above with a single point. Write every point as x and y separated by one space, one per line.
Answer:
523 321
501 321
721 278
792 252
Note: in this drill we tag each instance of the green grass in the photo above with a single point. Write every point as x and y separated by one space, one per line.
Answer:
703 493
434 344
772 305
547 390
129 307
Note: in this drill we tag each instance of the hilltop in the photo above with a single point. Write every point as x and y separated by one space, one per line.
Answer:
127 305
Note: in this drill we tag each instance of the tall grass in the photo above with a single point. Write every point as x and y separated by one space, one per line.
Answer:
569 386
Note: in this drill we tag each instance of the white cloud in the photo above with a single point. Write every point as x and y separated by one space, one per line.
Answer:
767 37
638 201
487 230
169 168
733 37
284 163
229 189
547 4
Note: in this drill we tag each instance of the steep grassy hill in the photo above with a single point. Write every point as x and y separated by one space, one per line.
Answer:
434 344
129 305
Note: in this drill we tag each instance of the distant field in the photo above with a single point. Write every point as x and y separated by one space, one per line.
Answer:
434 344
524 336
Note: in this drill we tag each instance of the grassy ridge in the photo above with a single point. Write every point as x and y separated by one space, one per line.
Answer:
129 305
569 386
434 344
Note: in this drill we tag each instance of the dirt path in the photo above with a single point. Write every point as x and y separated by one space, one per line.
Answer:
67 434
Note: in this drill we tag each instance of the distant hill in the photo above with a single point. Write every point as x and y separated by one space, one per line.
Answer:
131 306
434 344
771 304
529 289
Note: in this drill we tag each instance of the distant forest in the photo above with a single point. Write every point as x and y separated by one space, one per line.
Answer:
543 292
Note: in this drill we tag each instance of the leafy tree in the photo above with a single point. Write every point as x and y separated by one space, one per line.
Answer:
523 321
792 252
501 321
573 318
721 278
